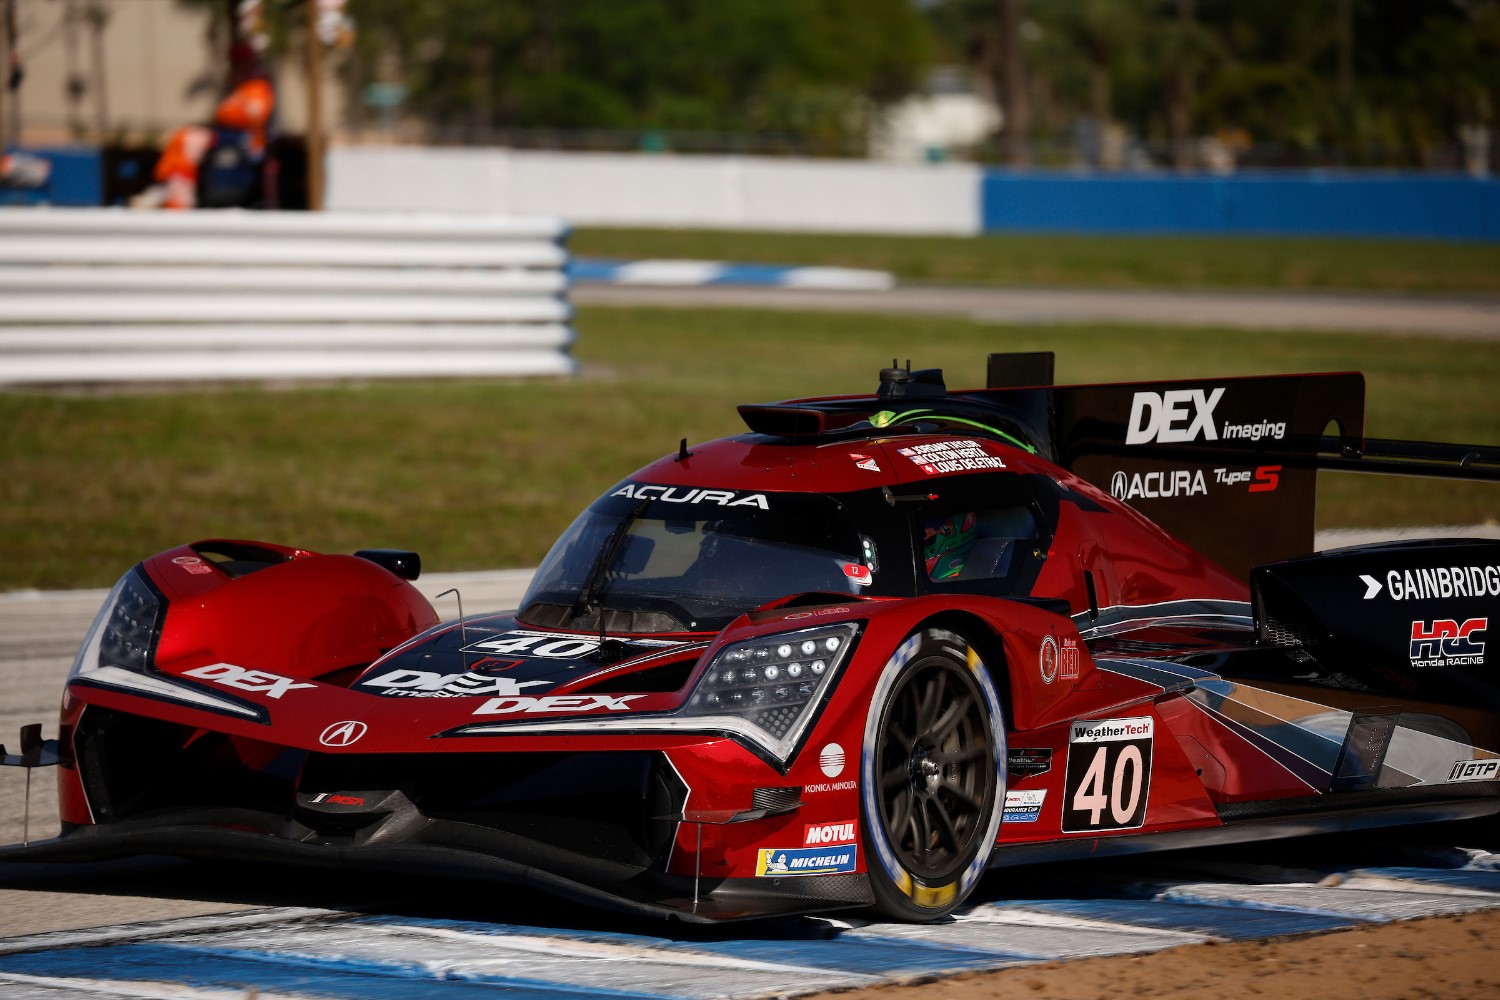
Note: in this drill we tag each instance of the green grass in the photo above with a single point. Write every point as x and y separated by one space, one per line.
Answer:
1089 261
480 474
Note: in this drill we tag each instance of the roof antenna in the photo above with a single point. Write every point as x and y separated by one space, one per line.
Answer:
463 633
682 453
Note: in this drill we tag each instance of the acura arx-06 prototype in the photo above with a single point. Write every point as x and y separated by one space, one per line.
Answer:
851 658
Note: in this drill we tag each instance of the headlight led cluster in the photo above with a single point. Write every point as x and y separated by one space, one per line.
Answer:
125 630
119 652
771 683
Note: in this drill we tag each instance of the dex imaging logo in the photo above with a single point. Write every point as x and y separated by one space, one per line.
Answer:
1447 643
1174 416
1182 415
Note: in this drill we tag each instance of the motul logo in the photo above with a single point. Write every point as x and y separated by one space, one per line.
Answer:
814 835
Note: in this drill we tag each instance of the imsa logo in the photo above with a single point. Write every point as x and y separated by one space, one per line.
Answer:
1446 643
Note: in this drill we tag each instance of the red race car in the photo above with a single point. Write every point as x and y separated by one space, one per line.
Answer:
851 658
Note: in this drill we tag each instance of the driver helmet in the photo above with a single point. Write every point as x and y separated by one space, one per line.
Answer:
946 542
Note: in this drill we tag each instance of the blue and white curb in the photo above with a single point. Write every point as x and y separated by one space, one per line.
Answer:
695 273
311 954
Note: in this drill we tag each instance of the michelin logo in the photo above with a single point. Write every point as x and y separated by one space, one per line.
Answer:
777 861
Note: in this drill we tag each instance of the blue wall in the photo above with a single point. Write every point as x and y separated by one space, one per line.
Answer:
76 179
1313 203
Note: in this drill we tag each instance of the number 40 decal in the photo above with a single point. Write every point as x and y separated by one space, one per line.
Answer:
1109 775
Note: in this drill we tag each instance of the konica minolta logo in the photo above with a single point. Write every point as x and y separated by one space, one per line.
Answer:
1181 415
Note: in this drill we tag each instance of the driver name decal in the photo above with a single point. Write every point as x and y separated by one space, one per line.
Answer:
951 456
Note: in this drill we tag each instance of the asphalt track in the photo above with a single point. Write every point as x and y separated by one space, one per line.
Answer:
1475 317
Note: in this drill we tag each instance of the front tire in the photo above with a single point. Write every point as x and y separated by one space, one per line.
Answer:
932 776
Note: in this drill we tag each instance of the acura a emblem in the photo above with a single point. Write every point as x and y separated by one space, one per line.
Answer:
342 734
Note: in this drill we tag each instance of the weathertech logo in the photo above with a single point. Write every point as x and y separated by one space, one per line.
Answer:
1111 730
1446 643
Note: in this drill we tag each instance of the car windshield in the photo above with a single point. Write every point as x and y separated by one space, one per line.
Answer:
655 563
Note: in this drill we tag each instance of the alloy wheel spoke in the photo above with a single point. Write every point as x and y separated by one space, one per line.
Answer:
895 777
960 793
951 717
924 828
932 701
962 754
946 826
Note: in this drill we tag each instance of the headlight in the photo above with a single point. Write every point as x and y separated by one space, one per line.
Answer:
768 689
119 652
124 632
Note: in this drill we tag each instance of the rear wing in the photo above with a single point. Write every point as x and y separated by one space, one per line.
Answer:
1227 465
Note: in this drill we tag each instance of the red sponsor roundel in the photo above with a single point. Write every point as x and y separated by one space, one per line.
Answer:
859 574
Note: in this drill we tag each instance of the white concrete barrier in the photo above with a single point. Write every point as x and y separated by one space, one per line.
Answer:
616 189
100 295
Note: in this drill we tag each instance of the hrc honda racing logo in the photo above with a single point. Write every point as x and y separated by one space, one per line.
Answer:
1181 415
1447 643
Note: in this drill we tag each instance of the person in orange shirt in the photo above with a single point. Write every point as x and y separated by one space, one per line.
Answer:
242 118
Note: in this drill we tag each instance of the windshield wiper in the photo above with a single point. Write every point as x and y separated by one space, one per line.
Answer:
599 571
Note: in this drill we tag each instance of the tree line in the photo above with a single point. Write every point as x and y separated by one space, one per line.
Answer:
1358 82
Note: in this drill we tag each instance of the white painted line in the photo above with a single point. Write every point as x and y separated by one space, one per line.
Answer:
277 365
854 279
89 937
72 988
668 272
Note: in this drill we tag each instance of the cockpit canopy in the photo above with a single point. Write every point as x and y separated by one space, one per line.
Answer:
649 558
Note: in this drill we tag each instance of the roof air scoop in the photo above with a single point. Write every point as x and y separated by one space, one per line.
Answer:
903 383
